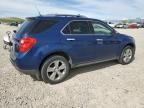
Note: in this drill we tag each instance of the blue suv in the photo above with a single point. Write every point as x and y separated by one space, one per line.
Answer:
47 47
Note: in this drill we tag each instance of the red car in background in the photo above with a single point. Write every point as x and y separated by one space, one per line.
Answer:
133 25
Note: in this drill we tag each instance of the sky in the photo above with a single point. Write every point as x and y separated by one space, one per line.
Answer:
100 9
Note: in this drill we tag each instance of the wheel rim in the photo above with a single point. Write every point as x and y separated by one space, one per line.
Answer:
127 56
56 70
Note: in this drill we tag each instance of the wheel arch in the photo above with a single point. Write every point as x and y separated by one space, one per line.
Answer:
130 44
121 49
60 53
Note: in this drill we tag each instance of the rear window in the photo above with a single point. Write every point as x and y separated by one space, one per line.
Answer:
36 26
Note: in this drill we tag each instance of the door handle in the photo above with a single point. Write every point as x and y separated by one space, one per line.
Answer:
99 41
71 39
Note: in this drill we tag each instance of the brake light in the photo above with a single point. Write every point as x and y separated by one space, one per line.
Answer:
26 44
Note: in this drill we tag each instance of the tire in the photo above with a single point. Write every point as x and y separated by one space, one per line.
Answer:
126 58
55 69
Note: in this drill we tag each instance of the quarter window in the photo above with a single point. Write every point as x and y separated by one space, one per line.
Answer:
43 25
32 26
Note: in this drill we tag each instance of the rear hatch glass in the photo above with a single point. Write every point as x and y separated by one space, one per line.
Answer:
33 26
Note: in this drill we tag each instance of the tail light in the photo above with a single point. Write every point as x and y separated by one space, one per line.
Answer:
26 44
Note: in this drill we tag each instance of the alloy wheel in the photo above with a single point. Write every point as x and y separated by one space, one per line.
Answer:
127 55
56 70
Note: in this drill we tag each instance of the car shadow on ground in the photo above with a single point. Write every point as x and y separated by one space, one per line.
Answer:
85 69
90 68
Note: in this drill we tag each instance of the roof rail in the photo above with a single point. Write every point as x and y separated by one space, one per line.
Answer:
67 15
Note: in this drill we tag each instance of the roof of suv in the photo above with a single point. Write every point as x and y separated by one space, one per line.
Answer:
60 16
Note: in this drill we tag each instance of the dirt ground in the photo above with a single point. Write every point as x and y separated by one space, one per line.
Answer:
104 85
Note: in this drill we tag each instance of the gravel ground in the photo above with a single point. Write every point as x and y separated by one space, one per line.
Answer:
104 85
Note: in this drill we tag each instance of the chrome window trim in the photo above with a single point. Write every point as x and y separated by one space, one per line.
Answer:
79 34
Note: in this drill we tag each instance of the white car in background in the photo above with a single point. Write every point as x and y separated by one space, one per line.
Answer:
120 25
112 24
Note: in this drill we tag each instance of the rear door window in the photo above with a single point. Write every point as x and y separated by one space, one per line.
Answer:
66 30
77 27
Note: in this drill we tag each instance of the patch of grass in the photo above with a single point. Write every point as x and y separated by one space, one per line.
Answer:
11 20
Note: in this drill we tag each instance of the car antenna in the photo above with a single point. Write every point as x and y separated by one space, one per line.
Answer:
38 10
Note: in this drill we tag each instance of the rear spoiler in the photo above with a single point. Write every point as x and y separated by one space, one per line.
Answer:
31 18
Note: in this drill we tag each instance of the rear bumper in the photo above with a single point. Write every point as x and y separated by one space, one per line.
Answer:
27 72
